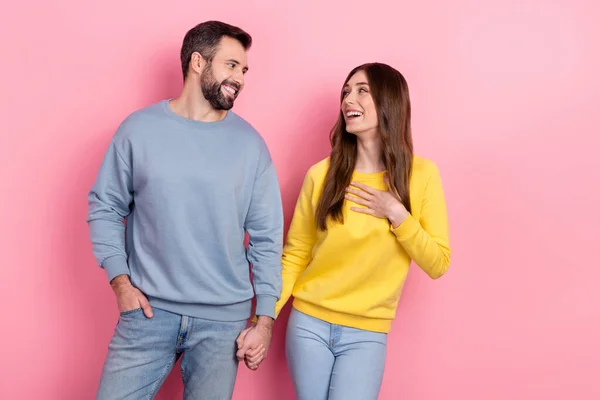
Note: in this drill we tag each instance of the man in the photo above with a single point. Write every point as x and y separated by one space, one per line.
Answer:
190 178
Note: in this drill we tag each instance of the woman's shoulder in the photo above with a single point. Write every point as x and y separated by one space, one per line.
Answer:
319 170
423 167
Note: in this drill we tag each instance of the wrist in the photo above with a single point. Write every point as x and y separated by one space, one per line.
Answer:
265 321
120 281
397 216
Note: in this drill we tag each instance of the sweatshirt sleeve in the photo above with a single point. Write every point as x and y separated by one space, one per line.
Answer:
302 235
427 240
109 203
264 224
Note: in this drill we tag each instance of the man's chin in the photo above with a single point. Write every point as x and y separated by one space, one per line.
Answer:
222 105
226 106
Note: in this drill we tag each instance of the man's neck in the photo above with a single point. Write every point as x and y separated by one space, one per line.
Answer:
192 105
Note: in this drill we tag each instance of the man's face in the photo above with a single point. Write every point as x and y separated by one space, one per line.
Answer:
223 78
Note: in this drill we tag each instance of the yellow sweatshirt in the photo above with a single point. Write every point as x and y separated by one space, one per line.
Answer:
352 274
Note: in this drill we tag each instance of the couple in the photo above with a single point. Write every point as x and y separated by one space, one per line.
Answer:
190 178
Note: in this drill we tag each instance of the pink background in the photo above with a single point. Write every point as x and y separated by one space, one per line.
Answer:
505 97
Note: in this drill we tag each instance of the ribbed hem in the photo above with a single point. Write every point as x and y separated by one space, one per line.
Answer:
226 313
353 321
115 266
265 305
407 229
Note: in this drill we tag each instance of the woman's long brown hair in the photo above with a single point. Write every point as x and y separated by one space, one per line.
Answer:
390 95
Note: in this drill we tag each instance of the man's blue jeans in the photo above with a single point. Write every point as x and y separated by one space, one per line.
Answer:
143 351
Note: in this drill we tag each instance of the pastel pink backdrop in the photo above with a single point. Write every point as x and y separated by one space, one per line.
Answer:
505 97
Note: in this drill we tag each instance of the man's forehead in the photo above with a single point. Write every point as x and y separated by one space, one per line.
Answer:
231 49
228 44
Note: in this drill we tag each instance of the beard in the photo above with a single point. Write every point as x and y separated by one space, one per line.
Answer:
212 90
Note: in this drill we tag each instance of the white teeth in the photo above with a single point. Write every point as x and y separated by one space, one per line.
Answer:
353 114
230 90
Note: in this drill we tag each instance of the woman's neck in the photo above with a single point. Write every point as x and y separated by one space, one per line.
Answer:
368 157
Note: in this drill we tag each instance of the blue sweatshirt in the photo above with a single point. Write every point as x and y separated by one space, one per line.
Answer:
188 192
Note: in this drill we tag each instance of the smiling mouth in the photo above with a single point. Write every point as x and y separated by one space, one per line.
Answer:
229 90
350 115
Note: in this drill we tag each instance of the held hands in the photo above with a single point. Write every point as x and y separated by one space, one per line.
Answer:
380 204
129 297
253 343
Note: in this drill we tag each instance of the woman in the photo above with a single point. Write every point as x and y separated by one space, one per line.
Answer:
363 214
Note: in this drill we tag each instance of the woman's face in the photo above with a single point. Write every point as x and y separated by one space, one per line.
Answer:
358 106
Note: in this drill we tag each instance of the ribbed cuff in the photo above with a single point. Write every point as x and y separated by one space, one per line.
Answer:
407 229
114 266
265 305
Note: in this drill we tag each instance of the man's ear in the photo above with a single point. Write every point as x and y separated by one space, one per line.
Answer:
197 63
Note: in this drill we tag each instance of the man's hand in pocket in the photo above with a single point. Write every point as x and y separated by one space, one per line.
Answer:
128 297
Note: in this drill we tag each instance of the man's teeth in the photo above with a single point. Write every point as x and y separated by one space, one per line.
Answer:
229 89
353 114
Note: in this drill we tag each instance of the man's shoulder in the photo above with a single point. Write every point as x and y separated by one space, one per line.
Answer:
244 127
140 120
247 136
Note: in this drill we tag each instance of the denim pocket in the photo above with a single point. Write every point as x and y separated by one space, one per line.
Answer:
130 311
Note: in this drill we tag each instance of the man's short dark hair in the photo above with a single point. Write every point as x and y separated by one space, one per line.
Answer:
205 38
